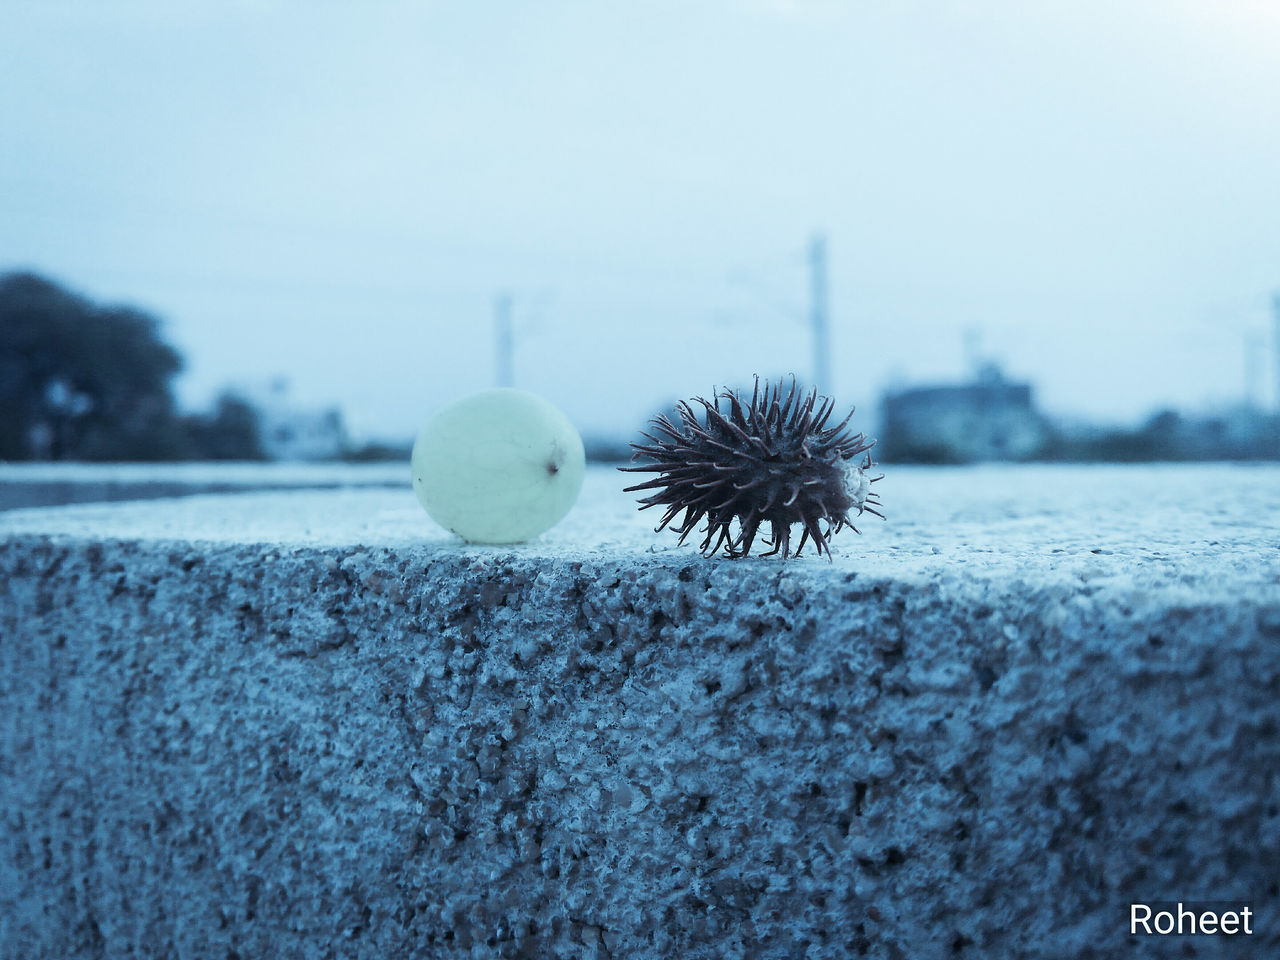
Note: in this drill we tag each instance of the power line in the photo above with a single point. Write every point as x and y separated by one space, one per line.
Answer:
817 313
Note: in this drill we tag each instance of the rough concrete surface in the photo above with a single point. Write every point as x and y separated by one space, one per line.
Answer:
312 724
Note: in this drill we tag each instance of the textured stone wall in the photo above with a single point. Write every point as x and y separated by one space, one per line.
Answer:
248 751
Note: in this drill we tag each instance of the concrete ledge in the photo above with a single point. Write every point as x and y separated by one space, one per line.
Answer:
313 725
52 484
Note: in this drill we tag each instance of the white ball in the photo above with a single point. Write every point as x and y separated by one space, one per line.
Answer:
499 466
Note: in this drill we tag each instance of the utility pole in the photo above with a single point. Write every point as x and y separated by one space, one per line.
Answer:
972 337
1275 347
1254 351
819 317
502 339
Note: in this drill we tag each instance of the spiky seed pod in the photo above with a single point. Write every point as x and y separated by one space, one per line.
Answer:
773 460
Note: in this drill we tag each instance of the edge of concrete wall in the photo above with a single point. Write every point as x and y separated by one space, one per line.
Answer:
250 750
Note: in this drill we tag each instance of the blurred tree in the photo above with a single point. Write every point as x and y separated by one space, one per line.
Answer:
378 452
82 382
233 432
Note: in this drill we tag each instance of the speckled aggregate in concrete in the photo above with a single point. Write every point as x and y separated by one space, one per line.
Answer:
315 725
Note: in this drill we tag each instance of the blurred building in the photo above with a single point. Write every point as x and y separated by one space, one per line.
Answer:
989 419
290 432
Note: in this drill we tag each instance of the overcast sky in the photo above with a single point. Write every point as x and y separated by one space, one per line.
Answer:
336 192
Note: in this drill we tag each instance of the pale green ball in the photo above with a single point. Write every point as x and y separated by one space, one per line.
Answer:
499 466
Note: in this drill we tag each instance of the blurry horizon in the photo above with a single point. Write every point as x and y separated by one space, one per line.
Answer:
1084 193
